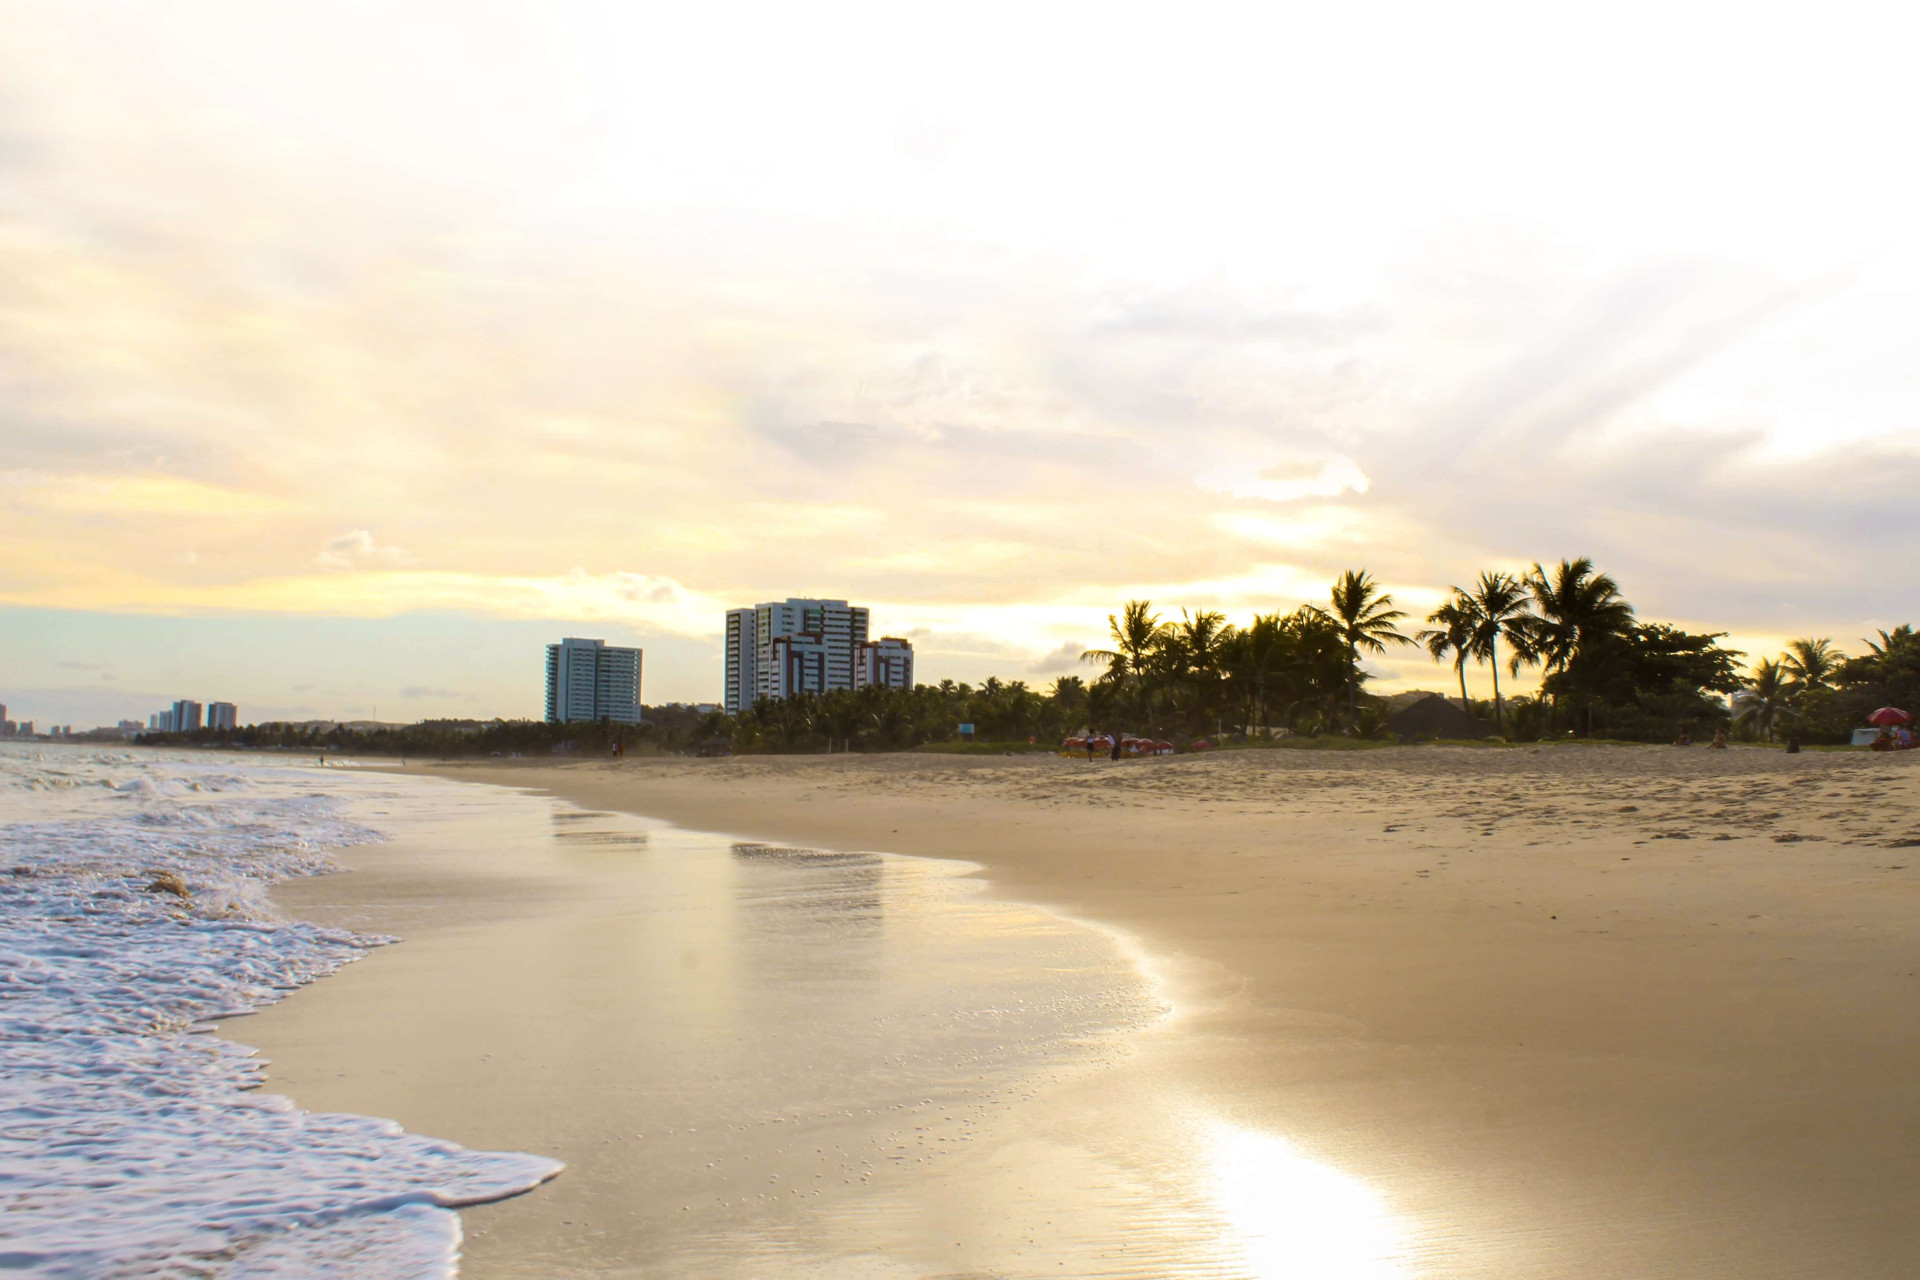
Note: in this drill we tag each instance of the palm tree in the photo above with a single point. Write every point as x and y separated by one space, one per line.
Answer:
1252 656
1311 665
1501 606
1811 663
1137 635
1894 642
1365 616
1196 649
1578 612
1764 699
1453 634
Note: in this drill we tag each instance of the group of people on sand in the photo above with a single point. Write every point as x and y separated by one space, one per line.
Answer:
1116 746
1719 742
1892 738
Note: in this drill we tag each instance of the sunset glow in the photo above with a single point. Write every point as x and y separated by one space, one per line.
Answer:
991 319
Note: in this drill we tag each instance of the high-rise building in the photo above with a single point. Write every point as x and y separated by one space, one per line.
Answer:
592 680
186 716
743 660
222 715
887 661
798 645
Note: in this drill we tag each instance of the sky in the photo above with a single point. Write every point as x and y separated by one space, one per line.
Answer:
349 353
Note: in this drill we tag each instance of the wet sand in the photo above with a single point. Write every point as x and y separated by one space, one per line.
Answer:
1599 1011
1450 1012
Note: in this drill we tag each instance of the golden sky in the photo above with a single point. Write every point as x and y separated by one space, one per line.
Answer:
608 317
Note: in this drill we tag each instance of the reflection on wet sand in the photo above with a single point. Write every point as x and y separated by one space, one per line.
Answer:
1291 1216
587 828
761 1059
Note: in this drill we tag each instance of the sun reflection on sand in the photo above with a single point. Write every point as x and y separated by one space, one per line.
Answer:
1291 1216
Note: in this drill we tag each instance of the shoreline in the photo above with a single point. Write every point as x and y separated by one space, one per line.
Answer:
1619 1012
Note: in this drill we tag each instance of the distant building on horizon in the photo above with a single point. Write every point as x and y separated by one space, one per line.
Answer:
807 645
184 716
592 680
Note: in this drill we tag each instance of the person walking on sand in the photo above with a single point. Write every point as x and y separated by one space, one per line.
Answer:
1114 754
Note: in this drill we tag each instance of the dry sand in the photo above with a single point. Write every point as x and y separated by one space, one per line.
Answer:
1596 1011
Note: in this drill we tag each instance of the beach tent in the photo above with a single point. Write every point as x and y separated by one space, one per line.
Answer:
1430 715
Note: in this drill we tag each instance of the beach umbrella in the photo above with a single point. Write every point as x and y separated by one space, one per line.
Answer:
1887 717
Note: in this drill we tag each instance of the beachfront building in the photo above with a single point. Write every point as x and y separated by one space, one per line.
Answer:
592 680
182 717
222 715
743 661
887 662
792 646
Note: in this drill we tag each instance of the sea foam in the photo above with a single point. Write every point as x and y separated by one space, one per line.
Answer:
133 1143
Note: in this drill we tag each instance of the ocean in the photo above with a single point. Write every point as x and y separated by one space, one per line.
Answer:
132 1141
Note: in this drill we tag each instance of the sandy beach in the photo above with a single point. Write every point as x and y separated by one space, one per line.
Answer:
1604 1011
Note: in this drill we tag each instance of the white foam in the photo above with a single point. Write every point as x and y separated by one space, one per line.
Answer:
133 1145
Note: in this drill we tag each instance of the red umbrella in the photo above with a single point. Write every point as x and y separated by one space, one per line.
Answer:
1887 717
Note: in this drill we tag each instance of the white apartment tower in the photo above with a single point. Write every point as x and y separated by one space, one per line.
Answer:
592 680
743 661
802 646
222 715
887 661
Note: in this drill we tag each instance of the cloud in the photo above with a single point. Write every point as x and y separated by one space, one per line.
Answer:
358 550
929 367
1065 659
643 589
432 691
1287 481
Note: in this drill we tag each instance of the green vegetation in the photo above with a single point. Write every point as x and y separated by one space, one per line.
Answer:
668 729
1285 679
1816 693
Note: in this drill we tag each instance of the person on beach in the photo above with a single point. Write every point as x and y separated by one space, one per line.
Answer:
1719 742
1114 754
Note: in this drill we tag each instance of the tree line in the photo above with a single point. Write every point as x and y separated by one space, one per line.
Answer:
1605 673
1816 692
